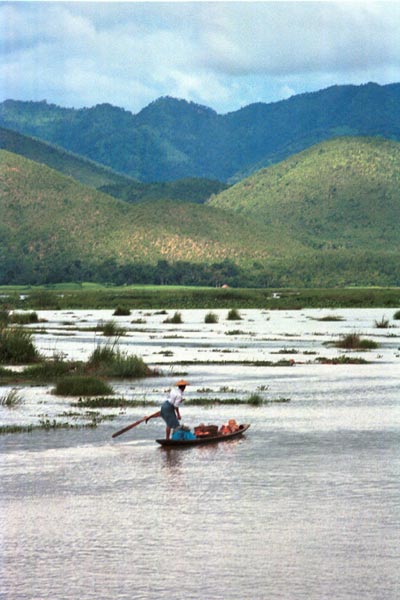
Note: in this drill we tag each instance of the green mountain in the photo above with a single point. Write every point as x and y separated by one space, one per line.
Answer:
340 194
191 189
325 217
55 229
102 178
173 139
75 166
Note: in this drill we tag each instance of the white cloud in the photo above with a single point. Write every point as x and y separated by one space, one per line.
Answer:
216 53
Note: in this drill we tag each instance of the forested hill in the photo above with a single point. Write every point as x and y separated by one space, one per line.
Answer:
340 194
70 164
55 229
172 139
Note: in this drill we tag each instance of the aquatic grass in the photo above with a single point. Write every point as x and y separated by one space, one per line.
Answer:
211 317
175 319
50 370
255 400
11 399
46 425
343 359
24 318
82 386
108 361
329 318
353 341
252 400
110 329
106 402
235 332
17 347
121 311
382 324
234 315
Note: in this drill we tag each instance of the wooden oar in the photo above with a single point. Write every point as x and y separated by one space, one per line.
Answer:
128 427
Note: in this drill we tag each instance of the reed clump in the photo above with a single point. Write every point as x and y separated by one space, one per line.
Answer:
107 361
353 341
234 315
11 399
175 319
383 323
211 318
17 347
81 385
110 329
122 311
25 318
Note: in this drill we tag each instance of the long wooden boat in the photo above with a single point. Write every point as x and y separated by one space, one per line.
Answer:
204 440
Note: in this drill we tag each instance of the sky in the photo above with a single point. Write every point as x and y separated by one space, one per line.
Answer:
224 55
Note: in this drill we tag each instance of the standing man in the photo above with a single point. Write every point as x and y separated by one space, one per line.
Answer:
170 408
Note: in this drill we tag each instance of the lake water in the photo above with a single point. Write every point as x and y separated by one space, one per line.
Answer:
305 506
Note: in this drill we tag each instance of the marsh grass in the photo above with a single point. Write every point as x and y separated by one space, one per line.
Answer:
329 318
81 385
105 402
45 425
235 332
353 341
24 318
122 311
255 400
234 315
343 359
11 399
252 400
110 329
51 370
17 347
382 324
176 318
211 317
108 361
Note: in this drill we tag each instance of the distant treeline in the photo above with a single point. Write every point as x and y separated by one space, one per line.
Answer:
327 269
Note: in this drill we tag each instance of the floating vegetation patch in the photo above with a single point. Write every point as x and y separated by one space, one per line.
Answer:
234 315
82 386
121 311
105 402
328 318
110 329
252 400
342 360
176 318
211 318
286 351
45 425
235 332
353 341
107 361
249 363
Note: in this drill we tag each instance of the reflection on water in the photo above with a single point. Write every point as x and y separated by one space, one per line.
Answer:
304 507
